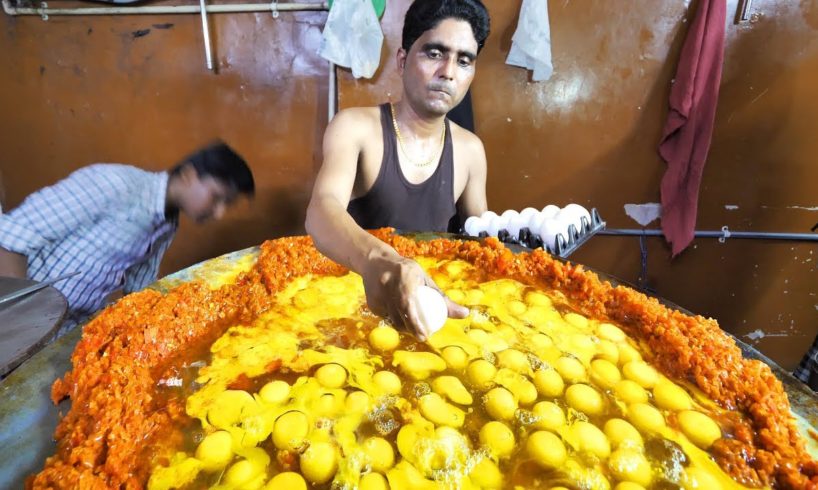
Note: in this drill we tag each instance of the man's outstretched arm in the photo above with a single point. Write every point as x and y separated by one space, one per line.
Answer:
390 280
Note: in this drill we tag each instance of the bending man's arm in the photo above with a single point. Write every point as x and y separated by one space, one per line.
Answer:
13 264
390 280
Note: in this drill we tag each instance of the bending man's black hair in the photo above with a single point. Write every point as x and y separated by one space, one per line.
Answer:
221 162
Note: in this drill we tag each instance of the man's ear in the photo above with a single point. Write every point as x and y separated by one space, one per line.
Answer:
188 173
401 59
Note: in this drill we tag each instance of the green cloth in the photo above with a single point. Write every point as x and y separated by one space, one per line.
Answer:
379 5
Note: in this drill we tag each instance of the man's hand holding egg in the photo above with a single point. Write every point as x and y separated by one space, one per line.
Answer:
432 311
397 288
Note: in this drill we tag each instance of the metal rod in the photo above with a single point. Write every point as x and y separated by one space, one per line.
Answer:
332 97
206 34
810 237
164 9
745 6
35 287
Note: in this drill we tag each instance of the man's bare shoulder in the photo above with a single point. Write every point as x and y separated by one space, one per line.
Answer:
357 119
466 140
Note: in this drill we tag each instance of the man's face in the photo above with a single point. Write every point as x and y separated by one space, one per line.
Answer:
439 67
203 197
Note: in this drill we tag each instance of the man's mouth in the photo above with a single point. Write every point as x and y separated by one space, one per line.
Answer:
441 90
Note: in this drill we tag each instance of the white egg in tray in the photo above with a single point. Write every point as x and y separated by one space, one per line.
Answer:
558 230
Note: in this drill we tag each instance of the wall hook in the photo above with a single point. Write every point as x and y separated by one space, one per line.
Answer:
725 234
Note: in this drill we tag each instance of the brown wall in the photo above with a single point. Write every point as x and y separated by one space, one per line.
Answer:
80 90
588 135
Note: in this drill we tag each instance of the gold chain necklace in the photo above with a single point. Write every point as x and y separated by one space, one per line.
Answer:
435 155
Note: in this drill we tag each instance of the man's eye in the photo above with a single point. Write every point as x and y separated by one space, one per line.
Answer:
464 62
434 54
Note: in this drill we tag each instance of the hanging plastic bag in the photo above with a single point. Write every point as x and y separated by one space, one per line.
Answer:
644 214
531 44
352 37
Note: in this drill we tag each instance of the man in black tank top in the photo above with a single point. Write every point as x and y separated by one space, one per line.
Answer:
403 164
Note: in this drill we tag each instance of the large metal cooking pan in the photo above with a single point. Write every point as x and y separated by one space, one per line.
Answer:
28 418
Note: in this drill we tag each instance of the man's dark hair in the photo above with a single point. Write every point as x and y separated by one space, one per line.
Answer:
424 15
221 162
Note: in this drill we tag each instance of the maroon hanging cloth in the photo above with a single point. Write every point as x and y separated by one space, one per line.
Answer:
689 126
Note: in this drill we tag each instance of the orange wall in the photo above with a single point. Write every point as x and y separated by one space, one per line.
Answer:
590 133
81 90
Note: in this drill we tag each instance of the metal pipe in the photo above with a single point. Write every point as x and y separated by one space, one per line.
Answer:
744 8
161 9
723 234
206 35
332 96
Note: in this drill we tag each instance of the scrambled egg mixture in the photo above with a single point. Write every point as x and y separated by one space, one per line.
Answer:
525 393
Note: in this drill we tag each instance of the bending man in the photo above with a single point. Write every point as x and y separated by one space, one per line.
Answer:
112 223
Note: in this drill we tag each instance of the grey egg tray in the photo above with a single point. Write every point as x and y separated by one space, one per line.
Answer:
563 246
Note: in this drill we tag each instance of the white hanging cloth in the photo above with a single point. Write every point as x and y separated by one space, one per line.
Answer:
531 44
352 37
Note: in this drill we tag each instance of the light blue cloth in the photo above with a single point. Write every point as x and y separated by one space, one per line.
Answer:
352 37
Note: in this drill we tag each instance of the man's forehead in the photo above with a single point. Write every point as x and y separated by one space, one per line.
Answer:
454 34
218 185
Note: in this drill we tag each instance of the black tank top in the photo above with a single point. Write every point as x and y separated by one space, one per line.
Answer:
396 202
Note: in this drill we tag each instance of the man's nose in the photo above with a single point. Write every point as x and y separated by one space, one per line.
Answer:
447 68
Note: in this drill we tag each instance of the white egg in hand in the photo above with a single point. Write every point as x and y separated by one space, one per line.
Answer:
573 214
431 308
550 211
474 226
549 230
527 213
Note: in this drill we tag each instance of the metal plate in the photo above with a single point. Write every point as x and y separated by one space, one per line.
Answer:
28 419
27 324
